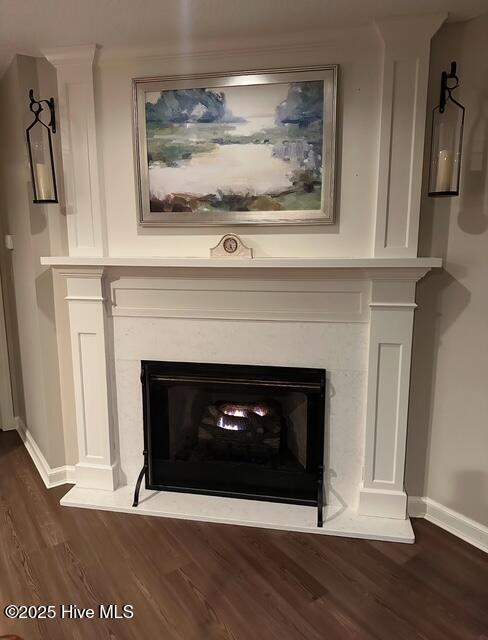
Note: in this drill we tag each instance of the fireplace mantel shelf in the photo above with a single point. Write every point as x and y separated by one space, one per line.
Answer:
236 263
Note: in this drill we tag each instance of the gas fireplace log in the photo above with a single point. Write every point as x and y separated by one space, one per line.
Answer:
231 426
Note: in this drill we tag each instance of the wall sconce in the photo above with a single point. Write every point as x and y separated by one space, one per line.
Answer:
41 158
447 139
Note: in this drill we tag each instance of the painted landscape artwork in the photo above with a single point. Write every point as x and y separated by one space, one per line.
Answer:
238 148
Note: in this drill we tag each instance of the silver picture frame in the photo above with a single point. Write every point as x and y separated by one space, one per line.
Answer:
325 215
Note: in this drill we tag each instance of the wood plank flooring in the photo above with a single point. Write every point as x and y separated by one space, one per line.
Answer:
197 581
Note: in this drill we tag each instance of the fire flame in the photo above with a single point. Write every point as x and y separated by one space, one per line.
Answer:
228 424
239 411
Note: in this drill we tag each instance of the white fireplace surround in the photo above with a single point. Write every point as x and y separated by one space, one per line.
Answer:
352 316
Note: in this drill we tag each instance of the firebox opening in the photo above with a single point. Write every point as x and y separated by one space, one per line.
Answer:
254 428
234 430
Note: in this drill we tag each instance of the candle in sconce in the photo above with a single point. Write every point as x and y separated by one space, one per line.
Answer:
44 182
445 168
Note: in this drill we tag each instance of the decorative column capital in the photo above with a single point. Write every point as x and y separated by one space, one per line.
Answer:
95 273
399 274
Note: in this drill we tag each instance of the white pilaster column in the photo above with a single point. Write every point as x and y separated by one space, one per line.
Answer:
97 466
406 51
390 344
76 119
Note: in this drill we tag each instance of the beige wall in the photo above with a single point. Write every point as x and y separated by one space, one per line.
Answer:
36 231
9 309
448 426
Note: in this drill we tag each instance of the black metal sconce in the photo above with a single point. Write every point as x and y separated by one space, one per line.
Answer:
41 157
447 139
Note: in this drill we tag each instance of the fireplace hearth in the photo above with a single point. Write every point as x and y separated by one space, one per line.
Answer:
239 431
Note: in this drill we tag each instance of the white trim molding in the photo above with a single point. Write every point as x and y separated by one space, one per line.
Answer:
97 466
390 343
291 299
406 50
51 476
276 293
374 265
418 507
452 521
85 220
382 503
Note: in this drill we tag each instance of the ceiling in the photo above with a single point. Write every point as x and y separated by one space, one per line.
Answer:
27 26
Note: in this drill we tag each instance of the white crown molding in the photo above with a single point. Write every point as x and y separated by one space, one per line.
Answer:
403 32
51 476
58 56
452 521
314 42
111 56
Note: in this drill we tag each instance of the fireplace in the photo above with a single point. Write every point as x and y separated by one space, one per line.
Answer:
241 431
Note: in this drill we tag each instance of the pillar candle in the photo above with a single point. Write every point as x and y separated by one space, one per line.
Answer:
444 170
44 182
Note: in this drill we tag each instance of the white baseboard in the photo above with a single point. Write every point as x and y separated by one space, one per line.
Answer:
52 477
450 520
9 426
418 507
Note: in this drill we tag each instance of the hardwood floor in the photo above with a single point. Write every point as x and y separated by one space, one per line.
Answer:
195 581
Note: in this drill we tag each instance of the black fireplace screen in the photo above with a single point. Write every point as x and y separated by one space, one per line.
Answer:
234 430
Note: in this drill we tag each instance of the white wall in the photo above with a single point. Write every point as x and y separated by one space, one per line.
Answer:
448 439
358 53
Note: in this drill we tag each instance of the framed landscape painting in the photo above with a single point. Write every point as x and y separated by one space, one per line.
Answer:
244 148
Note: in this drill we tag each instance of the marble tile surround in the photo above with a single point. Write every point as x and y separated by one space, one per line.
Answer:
341 348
